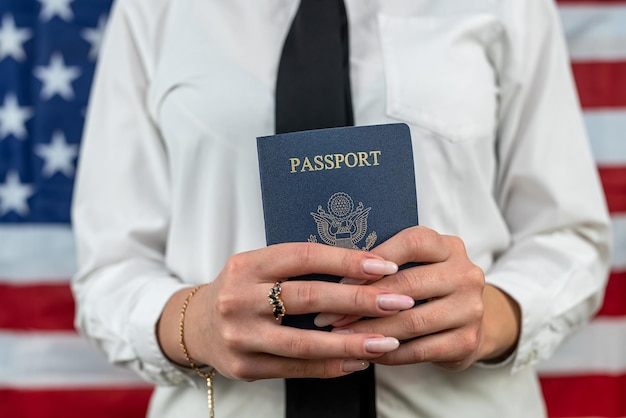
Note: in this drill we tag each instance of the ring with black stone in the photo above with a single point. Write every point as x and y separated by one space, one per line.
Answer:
276 302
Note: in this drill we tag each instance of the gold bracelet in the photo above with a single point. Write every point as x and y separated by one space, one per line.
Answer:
207 375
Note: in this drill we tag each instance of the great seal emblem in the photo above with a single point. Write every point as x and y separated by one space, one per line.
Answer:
343 225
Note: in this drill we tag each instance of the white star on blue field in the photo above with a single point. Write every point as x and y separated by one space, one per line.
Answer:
48 52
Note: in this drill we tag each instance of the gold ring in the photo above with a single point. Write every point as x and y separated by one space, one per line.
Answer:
278 307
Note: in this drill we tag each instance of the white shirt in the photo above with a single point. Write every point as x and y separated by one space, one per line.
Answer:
168 185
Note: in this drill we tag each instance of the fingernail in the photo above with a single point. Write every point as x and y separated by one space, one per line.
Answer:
375 266
381 345
345 280
325 319
349 366
393 302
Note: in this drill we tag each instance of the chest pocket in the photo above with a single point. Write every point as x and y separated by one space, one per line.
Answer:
438 74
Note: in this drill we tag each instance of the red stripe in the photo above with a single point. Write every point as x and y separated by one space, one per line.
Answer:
36 307
74 403
601 84
565 397
614 183
585 396
615 296
50 307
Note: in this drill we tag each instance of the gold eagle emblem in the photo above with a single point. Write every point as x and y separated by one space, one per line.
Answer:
343 225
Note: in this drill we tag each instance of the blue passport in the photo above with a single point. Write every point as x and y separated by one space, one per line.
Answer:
351 187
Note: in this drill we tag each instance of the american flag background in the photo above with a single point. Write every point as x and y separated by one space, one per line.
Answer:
48 51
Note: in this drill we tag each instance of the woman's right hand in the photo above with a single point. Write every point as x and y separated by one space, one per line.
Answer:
229 324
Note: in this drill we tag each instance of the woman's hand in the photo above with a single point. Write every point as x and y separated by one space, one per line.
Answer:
229 324
462 321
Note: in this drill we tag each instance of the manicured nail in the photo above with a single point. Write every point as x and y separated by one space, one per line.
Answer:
346 280
325 319
381 345
382 267
393 302
349 366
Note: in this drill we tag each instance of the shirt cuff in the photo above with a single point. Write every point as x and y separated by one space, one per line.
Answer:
534 307
496 364
144 318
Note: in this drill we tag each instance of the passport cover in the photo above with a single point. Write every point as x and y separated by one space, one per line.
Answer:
351 187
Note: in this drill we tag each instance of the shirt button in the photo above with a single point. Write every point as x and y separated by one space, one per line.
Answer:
173 377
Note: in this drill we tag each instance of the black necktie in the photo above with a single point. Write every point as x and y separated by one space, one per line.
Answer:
313 84
313 91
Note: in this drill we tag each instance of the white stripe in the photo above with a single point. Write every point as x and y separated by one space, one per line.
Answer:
59 359
596 349
46 253
595 33
607 135
39 252
56 360
619 243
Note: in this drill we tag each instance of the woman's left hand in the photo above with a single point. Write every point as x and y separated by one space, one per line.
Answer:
462 321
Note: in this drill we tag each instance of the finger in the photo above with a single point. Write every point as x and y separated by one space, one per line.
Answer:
426 281
416 244
454 349
301 297
309 344
267 366
436 280
336 320
280 261
339 319
429 318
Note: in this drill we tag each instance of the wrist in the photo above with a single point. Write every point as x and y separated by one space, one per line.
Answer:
168 328
501 325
